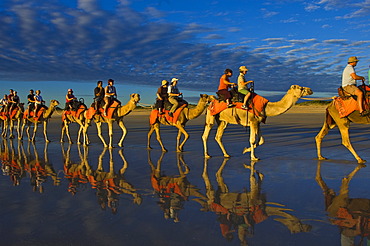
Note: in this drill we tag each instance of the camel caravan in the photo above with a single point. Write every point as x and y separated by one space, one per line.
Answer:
234 103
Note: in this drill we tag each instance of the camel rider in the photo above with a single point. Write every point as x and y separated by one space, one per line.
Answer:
173 96
15 101
110 95
39 102
4 102
242 85
31 101
71 100
349 78
225 84
10 101
99 94
162 96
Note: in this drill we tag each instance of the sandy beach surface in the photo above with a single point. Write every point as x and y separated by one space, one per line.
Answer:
64 194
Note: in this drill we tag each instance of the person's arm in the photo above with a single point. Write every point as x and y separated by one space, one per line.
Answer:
224 80
357 77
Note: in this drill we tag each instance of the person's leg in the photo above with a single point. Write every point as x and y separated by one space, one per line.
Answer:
360 96
174 103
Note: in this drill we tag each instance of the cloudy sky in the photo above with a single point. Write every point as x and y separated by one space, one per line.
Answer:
282 42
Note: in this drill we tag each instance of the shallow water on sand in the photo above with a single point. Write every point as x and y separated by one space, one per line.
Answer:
62 194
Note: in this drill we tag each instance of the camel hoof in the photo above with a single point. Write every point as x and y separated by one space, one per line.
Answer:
11 137
164 150
47 141
360 161
148 147
227 156
207 156
321 158
255 159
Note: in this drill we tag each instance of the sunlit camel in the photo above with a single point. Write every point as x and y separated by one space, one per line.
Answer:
9 122
332 120
185 115
118 115
44 118
73 118
241 117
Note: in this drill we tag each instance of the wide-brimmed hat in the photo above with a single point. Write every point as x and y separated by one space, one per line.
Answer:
243 68
353 59
164 82
70 90
174 79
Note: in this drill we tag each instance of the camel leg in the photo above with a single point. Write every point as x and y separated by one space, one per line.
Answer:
34 132
151 130
155 127
11 129
124 132
347 143
66 128
98 128
254 135
319 137
220 131
110 134
19 127
207 128
46 131
85 136
180 147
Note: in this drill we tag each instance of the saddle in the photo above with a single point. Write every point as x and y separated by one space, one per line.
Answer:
75 113
346 100
155 114
92 111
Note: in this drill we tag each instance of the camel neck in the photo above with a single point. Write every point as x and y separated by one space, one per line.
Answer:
280 107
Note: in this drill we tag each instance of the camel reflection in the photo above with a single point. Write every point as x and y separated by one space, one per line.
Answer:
239 212
74 172
351 215
109 185
11 161
172 190
18 163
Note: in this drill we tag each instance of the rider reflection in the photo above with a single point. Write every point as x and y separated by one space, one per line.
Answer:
172 190
239 212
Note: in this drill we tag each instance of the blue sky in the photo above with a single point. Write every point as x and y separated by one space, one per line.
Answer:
142 42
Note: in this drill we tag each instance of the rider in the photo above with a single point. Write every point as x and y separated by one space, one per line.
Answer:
10 101
15 101
99 94
224 86
162 95
349 78
31 101
110 95
242 85
4 102
70 100
39 102
173 96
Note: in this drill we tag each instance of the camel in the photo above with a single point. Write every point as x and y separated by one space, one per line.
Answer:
44 118
333 119
9 122
118 115
185 115
70 118
241 117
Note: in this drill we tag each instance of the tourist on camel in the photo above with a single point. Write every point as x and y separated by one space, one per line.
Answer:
10 101
242 85
31 101
39 102
71 100
225 84
99 95
162 96
173 96
349 78
15 101
110 95
4 102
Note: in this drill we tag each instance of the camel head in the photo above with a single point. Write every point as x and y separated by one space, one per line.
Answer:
299 91
54 103
135 98
206 98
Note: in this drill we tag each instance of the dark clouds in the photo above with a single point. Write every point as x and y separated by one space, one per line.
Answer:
50 40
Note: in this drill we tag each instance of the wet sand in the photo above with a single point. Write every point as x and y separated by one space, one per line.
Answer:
141 215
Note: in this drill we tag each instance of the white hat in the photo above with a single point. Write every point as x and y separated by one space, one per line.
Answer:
174 79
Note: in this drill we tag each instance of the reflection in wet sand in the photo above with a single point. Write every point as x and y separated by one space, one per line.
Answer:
239 212
109 184
18 163
172 190
351 215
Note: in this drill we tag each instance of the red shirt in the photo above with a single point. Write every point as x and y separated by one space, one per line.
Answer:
222 85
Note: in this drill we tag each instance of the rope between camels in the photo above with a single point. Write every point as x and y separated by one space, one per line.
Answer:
318 98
